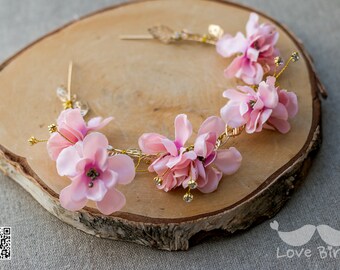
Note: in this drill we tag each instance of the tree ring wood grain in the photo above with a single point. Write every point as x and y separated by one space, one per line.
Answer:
118 78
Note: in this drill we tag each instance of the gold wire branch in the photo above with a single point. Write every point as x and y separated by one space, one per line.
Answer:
33 140
278 61
166 35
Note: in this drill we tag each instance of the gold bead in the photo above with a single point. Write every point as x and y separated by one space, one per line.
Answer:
295 56
158 181
32 140
52 128
68 104
192 184
188 197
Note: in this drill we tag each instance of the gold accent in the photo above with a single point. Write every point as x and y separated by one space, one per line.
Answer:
293 58
52 128
33 140
166 35
158 181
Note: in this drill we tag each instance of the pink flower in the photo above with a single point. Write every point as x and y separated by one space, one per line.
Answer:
268 107
201 162
171 152
94 174
255 53
286 109
211 164
72 125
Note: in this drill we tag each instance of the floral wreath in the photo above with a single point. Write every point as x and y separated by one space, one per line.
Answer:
95 168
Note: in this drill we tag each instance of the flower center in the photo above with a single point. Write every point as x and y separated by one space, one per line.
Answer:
93 174
252 103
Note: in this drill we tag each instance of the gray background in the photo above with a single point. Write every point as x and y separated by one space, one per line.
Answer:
41 241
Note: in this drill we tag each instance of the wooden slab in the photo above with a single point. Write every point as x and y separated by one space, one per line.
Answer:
144 85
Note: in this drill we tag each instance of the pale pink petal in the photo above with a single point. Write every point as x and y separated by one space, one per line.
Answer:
289 99
230 114
282 126
110 178
97 192
183 129
170 147
235 95
92 142
55 145
268 94
97 123
234 67
66 198
73 119
151 143
67 161
228 160
101 158
252 24
280 112
212 124
113 201
205 144
124 166
253 54
228 45
213 178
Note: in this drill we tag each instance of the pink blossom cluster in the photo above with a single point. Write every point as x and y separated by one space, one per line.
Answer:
81 154
254 52
202 163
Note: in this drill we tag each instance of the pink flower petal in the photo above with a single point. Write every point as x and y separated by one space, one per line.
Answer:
234 67
228 45
228 160
97 123
66 198
205 144
110 178
282 126
183 129
92 142
124 167
55 145
252 24
268 95
280 112
213 178
97 192
212 124
67 161
73 118
230 114
113 201
151 143
253 54
170 147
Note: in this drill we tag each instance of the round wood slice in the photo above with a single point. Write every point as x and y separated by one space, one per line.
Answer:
144 85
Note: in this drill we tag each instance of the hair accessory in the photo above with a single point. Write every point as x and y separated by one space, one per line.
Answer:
81 154
95 167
